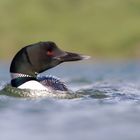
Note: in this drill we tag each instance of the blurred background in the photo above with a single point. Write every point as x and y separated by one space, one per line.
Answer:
101 28
104 29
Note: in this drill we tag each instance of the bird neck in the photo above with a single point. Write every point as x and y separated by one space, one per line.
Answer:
18 79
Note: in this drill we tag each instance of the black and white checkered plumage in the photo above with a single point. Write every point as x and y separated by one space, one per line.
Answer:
52 82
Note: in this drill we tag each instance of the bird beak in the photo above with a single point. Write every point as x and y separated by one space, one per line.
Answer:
68 56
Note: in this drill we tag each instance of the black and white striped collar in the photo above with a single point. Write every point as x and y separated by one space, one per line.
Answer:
18 75
18 79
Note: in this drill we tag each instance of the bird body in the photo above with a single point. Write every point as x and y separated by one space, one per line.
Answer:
36 58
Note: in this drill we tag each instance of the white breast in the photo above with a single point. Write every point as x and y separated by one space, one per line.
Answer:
33 85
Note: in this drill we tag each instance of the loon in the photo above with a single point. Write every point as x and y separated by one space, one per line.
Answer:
36 58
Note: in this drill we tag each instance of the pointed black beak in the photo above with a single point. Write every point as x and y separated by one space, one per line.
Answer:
68 56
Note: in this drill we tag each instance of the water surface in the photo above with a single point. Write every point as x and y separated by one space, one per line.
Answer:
109 110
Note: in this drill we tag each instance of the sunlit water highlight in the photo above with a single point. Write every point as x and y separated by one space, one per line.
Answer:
108 110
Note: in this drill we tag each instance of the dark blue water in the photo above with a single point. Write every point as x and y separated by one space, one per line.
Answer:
110 109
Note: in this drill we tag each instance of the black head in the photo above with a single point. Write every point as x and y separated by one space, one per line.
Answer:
39 57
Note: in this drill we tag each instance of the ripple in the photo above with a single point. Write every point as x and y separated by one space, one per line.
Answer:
107 91
112 91
27 93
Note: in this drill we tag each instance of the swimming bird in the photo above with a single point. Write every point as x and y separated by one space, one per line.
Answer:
36 58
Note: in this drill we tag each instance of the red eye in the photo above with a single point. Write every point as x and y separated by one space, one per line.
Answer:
50 53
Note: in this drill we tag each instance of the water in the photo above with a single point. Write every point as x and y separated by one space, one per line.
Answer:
109 110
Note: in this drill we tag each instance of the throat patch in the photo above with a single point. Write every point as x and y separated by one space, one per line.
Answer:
19 79
18 75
